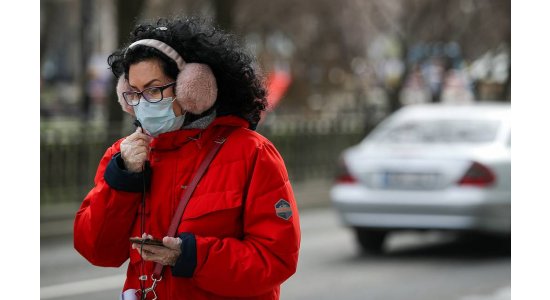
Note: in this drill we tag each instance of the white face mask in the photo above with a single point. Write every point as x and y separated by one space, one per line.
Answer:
158 117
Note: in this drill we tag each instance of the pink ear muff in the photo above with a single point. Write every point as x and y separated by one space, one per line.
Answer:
196 88
122 86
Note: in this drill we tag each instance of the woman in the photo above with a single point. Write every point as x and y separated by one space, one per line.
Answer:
191 87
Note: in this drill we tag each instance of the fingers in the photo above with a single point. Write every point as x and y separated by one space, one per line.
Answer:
135 150
158 254
141 132
136 141
167 255
132 147
147 252
172 243
139 135
146 236
143 236
139 156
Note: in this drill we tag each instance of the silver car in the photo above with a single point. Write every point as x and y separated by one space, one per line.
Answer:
434 166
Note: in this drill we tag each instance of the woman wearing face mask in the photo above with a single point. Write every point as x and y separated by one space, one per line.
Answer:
194 174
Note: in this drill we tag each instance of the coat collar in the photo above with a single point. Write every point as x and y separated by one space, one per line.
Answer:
175 139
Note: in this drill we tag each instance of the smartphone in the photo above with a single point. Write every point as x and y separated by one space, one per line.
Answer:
147 241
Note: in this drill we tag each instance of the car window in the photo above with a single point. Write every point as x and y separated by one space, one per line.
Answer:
439 131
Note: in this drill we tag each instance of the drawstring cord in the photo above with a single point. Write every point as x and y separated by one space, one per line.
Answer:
142 276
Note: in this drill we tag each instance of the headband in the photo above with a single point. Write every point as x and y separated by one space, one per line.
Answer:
162 47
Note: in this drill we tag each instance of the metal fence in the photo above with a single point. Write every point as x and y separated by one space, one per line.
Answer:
70 153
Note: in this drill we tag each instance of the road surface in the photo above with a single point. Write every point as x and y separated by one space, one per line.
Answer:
417 266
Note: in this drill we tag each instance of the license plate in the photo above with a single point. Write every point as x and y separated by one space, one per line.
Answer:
415 181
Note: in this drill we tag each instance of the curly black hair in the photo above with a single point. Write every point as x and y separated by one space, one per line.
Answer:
241 89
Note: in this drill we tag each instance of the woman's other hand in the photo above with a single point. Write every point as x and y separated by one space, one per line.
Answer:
135 150
167 255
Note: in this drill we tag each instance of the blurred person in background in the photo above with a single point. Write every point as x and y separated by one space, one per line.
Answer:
415 90
191 86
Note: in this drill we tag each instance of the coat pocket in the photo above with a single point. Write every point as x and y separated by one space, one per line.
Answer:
210 203
217 214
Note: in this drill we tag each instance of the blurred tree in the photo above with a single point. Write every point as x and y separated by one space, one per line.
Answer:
223 10
86 16
46 13
331 39
128 12
326 45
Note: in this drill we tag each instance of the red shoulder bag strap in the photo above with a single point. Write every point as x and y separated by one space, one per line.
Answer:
215 147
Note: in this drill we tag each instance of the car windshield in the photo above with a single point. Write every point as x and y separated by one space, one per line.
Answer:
438 131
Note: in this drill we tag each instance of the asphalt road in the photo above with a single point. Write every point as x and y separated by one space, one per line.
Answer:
427 266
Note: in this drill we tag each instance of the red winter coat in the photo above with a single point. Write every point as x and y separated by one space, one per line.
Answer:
237 240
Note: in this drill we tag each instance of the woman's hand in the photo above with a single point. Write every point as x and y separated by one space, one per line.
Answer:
135 150
167 255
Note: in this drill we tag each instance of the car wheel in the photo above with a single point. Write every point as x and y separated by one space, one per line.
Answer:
371 240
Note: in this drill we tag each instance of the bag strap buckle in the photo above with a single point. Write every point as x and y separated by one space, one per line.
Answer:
152 288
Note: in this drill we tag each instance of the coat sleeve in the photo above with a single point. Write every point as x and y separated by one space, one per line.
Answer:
104 221
268 253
